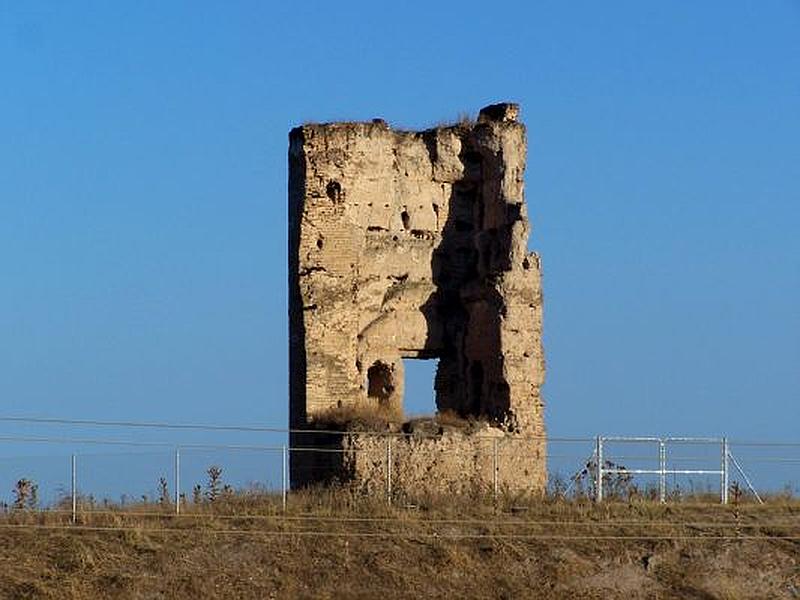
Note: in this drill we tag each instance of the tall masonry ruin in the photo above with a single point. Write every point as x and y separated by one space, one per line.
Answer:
408 245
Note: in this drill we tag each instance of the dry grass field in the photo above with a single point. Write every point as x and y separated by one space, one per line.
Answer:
331 544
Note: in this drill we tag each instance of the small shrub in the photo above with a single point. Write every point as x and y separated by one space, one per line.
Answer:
618 485
214 485
26 495
163 492
556 486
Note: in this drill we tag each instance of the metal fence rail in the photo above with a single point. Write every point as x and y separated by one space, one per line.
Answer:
604 467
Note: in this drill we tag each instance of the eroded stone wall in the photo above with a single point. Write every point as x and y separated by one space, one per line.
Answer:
414 245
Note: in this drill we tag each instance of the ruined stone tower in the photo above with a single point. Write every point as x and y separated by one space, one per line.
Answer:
413 245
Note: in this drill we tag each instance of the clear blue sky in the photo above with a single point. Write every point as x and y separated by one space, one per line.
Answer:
143 196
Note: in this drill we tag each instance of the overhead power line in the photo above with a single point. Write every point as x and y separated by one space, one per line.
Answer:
233 428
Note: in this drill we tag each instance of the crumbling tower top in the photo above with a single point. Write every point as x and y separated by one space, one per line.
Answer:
413 245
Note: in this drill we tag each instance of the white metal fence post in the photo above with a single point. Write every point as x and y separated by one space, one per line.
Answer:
598 485
177 481
74 489
662 467
283 477
724 476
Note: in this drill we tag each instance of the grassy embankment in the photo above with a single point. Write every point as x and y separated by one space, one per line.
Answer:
333 544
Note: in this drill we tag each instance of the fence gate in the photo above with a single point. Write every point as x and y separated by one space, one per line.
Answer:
602 465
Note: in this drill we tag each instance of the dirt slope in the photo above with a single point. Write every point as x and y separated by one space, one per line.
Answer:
562 550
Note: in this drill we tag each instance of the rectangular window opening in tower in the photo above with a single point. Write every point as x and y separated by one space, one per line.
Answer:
419 394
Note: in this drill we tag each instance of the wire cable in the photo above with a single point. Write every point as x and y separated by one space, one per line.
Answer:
396 535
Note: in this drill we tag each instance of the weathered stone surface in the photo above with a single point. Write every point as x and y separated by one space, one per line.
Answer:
414 245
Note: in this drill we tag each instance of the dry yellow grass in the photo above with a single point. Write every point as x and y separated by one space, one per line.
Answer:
337 544
384 418
356 417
